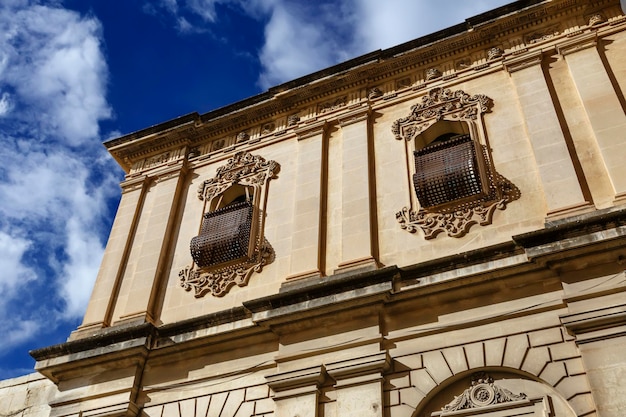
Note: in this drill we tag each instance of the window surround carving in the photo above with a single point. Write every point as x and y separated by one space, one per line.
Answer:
251 172
455 219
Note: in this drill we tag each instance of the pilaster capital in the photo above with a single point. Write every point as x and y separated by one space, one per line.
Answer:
296 383
588 40
311 129
354 116
359 370
521 62
171 171
134 183
594 325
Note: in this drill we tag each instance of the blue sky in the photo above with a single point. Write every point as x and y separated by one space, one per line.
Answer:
74 73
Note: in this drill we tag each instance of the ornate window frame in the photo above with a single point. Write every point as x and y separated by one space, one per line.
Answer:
455 219
251 172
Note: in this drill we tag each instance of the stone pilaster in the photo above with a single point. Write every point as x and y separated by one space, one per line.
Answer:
296 393
603 108
357 246
561 185
116 254
307 244
148 257
359 385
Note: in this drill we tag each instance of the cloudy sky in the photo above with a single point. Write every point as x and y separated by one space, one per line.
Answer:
74 73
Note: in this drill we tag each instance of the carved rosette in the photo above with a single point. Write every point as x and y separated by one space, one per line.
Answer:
440 102
482 392
247 170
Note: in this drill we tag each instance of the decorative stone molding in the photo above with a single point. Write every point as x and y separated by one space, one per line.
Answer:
494 53
544 35
523 60
403 83
596 19
296 383
432 74
193 152
457 219
268 128
216 145
219 282
457 223
374 92
463 63
332 105
242 137
481 393
247 170
456 105
293 120
589 40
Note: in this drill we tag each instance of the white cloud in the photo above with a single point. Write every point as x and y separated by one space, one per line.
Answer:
57 69
203 8
13 273
296 45
302 37
55 180
5 104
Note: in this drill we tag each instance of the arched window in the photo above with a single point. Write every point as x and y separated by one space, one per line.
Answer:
231 245
455 182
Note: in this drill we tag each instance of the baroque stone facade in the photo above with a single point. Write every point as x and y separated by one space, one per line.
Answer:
498 146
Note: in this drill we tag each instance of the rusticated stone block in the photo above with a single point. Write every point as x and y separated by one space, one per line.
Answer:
455 357
411 396
564 351
475 355
553 373
546 337
574 385
422 381
437 366
536 360
516 348
494 352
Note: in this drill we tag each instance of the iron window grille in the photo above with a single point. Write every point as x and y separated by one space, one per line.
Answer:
450 174
224 236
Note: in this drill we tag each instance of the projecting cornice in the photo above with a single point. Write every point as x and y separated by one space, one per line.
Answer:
398 73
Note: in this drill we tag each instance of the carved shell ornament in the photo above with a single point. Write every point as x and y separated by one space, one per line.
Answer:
247 170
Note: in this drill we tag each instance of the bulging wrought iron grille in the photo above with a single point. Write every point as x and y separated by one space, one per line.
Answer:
225 235
447 172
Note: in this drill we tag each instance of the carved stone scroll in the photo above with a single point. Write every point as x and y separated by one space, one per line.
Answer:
440 102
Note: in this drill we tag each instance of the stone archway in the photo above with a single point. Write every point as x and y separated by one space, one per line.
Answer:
547 357
495 392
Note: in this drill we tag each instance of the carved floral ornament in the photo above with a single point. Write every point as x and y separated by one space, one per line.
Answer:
455 219
246 170
440 102
481 393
